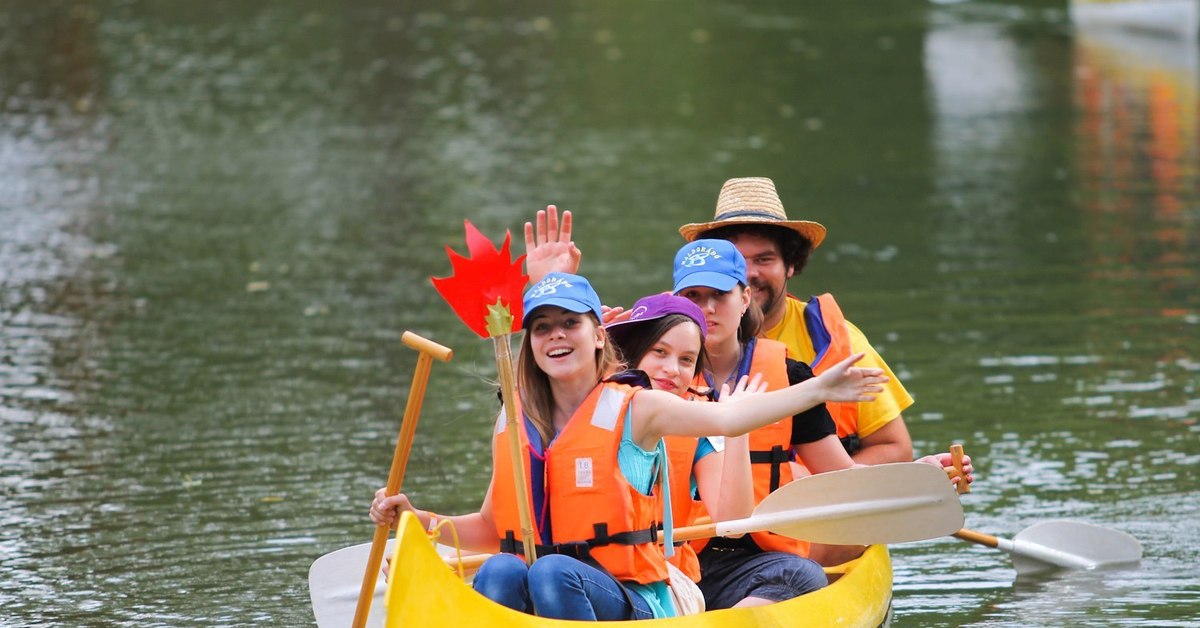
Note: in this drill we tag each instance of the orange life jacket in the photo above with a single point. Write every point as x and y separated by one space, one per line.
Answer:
593 508
681 454
831 344
770 446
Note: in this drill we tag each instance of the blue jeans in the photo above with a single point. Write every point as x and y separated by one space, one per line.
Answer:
731 576
560 587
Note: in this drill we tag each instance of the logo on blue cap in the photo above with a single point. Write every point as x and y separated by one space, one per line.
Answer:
570 292
698 256
709 263
549 285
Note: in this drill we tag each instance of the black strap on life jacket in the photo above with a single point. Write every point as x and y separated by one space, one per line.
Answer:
852 443
510 545
582 549
776 457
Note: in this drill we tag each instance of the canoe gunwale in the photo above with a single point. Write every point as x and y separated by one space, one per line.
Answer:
423 591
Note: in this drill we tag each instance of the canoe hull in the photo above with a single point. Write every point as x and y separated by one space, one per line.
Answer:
423 592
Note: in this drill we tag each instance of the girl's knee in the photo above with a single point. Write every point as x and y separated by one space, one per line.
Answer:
503 579
552 569
503 567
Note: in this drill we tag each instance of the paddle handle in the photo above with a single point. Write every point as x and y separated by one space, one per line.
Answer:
977 537
408 427
426 346
956 459
516 453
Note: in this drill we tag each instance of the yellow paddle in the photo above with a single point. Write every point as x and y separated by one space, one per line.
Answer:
428 350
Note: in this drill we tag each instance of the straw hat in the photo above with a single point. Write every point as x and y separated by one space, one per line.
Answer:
753 200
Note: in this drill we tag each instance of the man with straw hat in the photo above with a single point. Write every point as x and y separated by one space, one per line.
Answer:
750 214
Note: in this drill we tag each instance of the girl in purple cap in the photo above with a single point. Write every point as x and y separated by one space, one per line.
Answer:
663 337
593 458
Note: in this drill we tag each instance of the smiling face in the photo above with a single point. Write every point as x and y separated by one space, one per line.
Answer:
564 343
672 360
765 270
722 311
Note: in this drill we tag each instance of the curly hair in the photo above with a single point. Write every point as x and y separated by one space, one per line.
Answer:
793 247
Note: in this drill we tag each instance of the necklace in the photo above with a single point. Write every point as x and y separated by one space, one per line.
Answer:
732 378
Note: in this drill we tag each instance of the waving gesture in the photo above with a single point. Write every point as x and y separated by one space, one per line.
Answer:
550 249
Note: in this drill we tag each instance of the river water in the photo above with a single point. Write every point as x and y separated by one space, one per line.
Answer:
216 220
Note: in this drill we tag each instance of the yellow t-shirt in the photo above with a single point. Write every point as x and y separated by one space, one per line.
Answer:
872 415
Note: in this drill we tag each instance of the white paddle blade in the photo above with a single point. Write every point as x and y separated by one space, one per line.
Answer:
886 503
334 581
1071 545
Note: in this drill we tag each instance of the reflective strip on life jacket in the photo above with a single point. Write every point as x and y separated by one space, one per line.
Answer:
594 511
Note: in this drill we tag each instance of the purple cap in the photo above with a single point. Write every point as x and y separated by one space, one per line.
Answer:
655 307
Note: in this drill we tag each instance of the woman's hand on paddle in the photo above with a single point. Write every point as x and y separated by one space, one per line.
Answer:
946 462
384 509
550 248
844 382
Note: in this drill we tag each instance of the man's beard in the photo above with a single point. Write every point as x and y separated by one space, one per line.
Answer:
772 297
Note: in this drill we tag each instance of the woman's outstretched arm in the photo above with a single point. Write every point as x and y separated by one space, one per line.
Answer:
657 413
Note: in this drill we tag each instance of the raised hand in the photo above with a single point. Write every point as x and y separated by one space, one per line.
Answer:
613 314
844 382
550 249
744 389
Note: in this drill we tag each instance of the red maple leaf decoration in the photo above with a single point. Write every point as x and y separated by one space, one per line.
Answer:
487 277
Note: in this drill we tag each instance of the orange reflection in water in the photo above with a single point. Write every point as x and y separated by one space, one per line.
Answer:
1139 156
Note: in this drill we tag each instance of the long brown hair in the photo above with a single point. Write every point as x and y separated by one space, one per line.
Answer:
752 321
641 337
533 385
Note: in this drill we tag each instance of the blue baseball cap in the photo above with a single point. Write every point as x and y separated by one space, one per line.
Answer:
710 263
570 292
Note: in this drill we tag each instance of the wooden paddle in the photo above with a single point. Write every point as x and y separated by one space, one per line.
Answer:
1054 544
485 292
1062 545
428 350
885 503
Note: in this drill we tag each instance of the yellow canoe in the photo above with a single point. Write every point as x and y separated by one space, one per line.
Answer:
423 592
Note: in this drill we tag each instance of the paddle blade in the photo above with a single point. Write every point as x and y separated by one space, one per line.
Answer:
886 503
334 581
1071 544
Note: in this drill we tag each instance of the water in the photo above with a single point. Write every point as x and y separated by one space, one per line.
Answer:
215 224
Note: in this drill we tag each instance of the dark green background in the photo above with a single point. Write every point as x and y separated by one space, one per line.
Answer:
1012 220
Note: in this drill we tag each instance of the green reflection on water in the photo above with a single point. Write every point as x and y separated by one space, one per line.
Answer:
218 222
